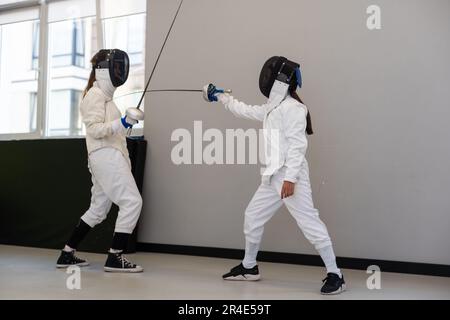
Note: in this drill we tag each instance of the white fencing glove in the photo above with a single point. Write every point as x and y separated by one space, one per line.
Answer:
135 114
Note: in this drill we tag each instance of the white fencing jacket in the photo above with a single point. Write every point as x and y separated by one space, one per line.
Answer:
103 124
284 139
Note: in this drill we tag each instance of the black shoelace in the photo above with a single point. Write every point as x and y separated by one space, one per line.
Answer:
330 280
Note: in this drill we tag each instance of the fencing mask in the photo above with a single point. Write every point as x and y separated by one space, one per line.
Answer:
118 65
277 75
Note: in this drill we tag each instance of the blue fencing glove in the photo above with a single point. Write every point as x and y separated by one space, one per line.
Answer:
127 122
210 92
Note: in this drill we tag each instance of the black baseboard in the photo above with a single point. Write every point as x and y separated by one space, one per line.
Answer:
301 259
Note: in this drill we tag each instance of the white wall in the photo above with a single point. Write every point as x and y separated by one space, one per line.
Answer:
380 106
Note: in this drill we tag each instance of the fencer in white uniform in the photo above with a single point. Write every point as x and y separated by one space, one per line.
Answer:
108 161
285 179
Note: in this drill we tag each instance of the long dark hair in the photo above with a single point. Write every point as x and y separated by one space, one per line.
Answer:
99 56
293 94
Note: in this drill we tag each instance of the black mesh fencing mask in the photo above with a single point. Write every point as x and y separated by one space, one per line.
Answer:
278 68
118 64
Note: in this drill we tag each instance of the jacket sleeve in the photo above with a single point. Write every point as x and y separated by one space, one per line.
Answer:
93 109
294 122
242 110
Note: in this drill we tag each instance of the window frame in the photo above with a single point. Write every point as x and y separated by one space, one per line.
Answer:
37 134
73 109
42 94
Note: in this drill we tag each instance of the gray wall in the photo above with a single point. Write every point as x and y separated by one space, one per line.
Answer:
380 105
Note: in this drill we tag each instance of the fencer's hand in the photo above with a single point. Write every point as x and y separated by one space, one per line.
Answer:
135 114
287 190
210 92
128 122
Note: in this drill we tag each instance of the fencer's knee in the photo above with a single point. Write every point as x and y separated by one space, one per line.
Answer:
319 241
252 232
251 237
137 207
92 219
322 244
315 231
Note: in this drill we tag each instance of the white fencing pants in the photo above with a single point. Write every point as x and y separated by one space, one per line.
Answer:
113 182
267 200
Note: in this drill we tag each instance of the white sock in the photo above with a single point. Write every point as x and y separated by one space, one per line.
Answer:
68 249
328 257
115 251
251 251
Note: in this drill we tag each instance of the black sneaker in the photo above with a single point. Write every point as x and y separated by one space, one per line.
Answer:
67 259
333 284
239 273
116 262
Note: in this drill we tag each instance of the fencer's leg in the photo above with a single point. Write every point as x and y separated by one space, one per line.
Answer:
251 252
100 204
119 185
308 220
301 207
97 212
78 234
261 208
116 261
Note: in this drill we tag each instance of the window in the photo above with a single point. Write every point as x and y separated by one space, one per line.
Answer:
18 80
67 39
64 115
68 52
125 29
43 75
67 73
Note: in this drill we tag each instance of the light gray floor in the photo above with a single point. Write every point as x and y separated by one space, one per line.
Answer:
28 273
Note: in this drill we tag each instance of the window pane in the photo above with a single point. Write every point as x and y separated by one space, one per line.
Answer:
35 57
128 34
20 15
18 80
71 45
115 8
64 32
59 112
64 114
3 2
68 47
70 9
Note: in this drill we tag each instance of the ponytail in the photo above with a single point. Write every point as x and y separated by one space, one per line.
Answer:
99 56
90 83
309 129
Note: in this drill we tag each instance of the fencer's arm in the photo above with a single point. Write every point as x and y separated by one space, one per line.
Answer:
240 109
294 122
93 114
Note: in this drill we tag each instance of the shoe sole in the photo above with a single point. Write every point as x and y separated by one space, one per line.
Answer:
249 277
120 270
84 264
340 290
